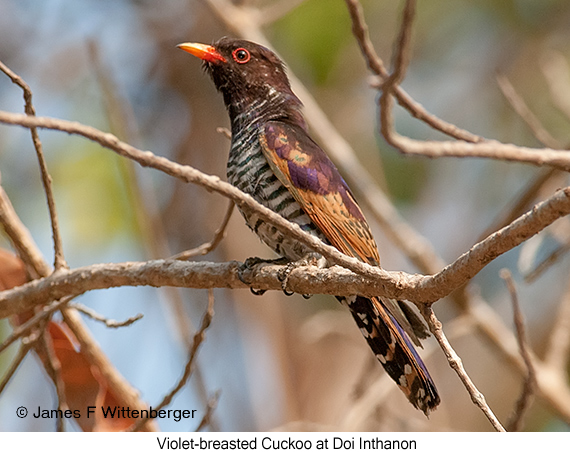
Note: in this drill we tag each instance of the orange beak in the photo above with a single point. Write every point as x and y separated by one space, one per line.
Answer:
202 51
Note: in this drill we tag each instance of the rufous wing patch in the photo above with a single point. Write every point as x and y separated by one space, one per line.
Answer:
316 185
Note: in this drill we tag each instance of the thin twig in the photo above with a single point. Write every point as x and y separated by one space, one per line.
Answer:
210 408
552 386
376 65
523 200
53 367
40 316
198 339
403 46
521 108
59 259
210 246
14 364
110 323
547 262
515 423
21 238
457 365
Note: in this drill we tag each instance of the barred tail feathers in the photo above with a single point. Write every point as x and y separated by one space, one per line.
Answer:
394 350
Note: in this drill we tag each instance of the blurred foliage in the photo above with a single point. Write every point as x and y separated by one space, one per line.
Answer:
92 194
313 49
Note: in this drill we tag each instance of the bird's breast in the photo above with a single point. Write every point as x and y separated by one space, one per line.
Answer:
249 171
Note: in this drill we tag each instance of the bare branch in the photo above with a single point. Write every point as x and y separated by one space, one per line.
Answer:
486 149
25 328
45 349
428 289
520 106
369 281
14 364
21 238
403 46
59 259
515 423
210 408
110 323
376 65
552 387
457 365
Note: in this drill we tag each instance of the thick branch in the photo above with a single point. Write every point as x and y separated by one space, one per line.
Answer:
202 275
369 281
396 285
470 263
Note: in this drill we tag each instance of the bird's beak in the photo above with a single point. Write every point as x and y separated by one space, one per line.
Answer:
202 51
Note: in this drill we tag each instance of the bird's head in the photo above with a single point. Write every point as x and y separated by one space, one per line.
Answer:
248 75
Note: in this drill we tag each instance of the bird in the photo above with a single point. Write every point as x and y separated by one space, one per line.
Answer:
273 158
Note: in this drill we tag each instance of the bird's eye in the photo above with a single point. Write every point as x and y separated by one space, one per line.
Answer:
241 55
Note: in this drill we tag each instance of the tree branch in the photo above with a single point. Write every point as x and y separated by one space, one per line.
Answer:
457 365
336 281
376 65
59 259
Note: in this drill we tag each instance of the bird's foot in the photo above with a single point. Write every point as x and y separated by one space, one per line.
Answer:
245 271
285 273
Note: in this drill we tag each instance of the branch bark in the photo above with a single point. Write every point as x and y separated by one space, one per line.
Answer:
368 280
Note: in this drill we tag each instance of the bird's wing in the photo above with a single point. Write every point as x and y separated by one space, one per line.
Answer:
315 183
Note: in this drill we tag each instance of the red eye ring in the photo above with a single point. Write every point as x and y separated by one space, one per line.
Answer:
241 55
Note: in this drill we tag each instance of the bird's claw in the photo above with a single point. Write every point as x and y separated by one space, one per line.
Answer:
285 273
245 271
283 276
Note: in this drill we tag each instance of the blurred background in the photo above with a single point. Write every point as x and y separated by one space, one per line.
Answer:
277 362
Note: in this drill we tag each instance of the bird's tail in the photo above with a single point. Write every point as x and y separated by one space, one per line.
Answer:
394 350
